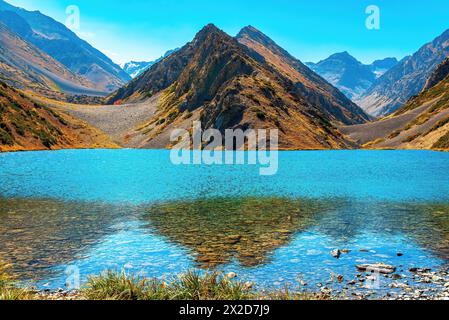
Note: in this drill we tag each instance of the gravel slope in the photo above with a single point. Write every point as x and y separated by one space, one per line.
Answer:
117 121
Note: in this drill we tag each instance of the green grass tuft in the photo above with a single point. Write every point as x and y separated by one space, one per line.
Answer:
210 286
116 286
113 285
189 286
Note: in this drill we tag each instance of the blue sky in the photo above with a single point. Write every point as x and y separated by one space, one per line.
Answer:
310 30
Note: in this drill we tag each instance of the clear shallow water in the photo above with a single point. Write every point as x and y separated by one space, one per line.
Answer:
133 209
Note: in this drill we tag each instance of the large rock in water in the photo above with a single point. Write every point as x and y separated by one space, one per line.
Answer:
377 268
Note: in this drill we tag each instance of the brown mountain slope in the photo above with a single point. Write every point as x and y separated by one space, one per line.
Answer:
422 123
24 66
225 85
312 87
26 125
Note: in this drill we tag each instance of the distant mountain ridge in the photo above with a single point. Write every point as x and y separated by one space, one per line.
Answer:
422 123
64 46
380 67
406 79
349 75
136 68
25 66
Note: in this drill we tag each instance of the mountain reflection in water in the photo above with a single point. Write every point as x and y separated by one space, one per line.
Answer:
217 230
249 234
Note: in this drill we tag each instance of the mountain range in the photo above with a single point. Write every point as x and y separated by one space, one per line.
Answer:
380 67
422 123
352 77
406 79
63 45
241 83
136 68
24 66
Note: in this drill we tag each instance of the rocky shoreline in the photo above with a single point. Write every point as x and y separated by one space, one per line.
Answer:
417 284
413 284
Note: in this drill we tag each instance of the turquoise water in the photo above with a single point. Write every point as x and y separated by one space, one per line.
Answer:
141 176
133 209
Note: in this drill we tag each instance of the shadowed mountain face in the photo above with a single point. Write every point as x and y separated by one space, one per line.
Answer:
349 75
63 45
440 73
226 85
406 79
312 87
422 123
26 125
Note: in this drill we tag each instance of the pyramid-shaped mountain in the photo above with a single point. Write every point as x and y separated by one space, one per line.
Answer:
63 45
226 85
312 87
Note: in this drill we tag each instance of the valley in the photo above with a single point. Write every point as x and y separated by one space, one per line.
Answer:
422 123
120 122
227 167
27 125
224 82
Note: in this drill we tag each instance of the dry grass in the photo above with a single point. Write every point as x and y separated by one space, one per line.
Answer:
442 143
189 286
28 125
8 288
113 285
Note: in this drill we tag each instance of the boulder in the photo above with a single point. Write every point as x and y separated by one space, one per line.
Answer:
336 253
378 267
